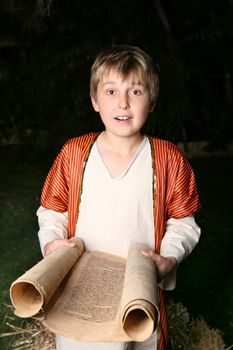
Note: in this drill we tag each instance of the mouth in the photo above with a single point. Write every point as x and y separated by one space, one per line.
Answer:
123 118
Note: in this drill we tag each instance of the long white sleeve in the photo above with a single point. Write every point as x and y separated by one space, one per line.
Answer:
52 225
180 238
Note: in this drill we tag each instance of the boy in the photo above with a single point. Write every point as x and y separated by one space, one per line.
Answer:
119 186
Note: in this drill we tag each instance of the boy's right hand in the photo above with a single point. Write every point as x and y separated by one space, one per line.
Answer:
53 245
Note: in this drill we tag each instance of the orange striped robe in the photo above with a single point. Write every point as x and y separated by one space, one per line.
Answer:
175 192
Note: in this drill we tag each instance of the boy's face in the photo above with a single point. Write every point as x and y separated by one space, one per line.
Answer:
123 104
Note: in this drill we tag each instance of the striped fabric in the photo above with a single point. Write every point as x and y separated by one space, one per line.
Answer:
175 194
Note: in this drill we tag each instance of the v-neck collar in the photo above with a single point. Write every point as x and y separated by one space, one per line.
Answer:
136 154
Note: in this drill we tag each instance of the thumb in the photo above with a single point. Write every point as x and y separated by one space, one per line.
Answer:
148 253
71 244
66 243
155 257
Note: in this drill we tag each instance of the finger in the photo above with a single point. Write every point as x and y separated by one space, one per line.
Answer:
157 258
68 243
148 253
154 256
56 244
63 242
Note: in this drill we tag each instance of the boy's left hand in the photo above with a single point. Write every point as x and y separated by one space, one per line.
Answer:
164 264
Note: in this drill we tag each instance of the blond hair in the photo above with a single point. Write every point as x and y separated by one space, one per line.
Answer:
125 60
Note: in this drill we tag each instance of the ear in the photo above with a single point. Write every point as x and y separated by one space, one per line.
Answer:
94 104
152 106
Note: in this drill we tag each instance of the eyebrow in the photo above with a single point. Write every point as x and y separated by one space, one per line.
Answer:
110 82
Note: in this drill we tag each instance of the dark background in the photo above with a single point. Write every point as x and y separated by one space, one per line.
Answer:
46 50
48 46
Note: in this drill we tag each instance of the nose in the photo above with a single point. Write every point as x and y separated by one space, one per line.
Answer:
123 102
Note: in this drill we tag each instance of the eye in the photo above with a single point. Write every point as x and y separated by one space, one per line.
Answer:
110 92
136 92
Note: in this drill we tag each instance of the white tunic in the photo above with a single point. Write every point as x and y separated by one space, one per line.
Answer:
116 211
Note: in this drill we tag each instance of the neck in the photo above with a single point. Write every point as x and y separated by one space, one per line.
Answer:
122 145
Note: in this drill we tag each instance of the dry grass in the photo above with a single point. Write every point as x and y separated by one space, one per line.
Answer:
186 334
29 335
